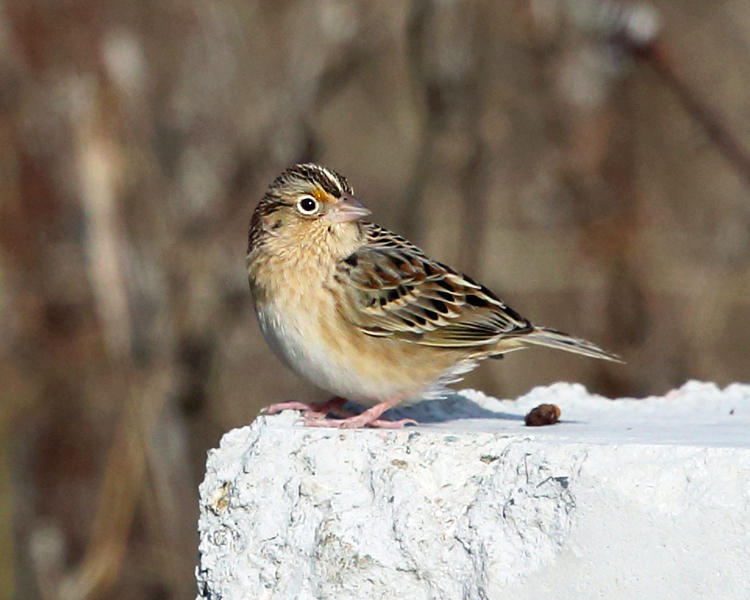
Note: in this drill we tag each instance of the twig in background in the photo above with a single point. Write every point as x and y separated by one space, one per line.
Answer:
636 28
712 121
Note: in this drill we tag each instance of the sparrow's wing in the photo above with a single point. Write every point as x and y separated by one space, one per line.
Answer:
395 290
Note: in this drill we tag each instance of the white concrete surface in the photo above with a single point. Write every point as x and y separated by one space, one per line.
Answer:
621 499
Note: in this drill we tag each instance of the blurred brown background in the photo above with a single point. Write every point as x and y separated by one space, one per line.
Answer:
520 141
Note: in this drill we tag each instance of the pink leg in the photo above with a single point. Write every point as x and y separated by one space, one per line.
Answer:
335 406
370 417
313 412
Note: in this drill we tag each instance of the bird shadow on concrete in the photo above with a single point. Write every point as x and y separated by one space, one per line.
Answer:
451 408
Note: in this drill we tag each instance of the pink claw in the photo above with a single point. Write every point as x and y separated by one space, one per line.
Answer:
369 418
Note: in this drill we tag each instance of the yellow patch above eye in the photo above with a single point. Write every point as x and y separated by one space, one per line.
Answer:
321 195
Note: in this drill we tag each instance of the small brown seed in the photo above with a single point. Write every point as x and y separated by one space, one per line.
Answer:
544 414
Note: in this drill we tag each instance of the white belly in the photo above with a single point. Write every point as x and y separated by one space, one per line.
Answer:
297 343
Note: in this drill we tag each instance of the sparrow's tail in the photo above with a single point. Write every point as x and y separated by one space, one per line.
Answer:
541 336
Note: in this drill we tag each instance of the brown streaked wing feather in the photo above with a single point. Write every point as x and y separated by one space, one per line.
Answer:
394 289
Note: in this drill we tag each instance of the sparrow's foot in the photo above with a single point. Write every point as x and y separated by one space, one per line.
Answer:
335 406
369 418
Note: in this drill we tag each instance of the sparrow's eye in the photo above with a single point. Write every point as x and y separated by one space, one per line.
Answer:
307 205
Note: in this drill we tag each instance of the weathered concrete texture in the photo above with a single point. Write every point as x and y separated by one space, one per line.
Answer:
621 499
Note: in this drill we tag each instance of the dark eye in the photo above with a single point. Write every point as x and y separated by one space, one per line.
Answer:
307 205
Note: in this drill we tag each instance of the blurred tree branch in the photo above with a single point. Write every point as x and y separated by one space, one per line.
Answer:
659 58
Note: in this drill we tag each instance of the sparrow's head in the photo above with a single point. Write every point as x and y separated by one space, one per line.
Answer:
307 205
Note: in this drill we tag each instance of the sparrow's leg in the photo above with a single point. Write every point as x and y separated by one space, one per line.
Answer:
335 406
370 417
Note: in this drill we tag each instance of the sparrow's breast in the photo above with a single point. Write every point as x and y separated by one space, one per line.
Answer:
301 322
311 348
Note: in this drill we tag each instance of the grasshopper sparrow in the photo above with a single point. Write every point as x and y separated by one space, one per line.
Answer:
362 312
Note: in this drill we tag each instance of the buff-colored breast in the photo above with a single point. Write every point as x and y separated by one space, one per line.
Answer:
301 322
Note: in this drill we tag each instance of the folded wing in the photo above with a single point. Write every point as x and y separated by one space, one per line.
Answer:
394 289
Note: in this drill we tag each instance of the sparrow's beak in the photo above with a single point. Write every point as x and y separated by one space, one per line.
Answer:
347 209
